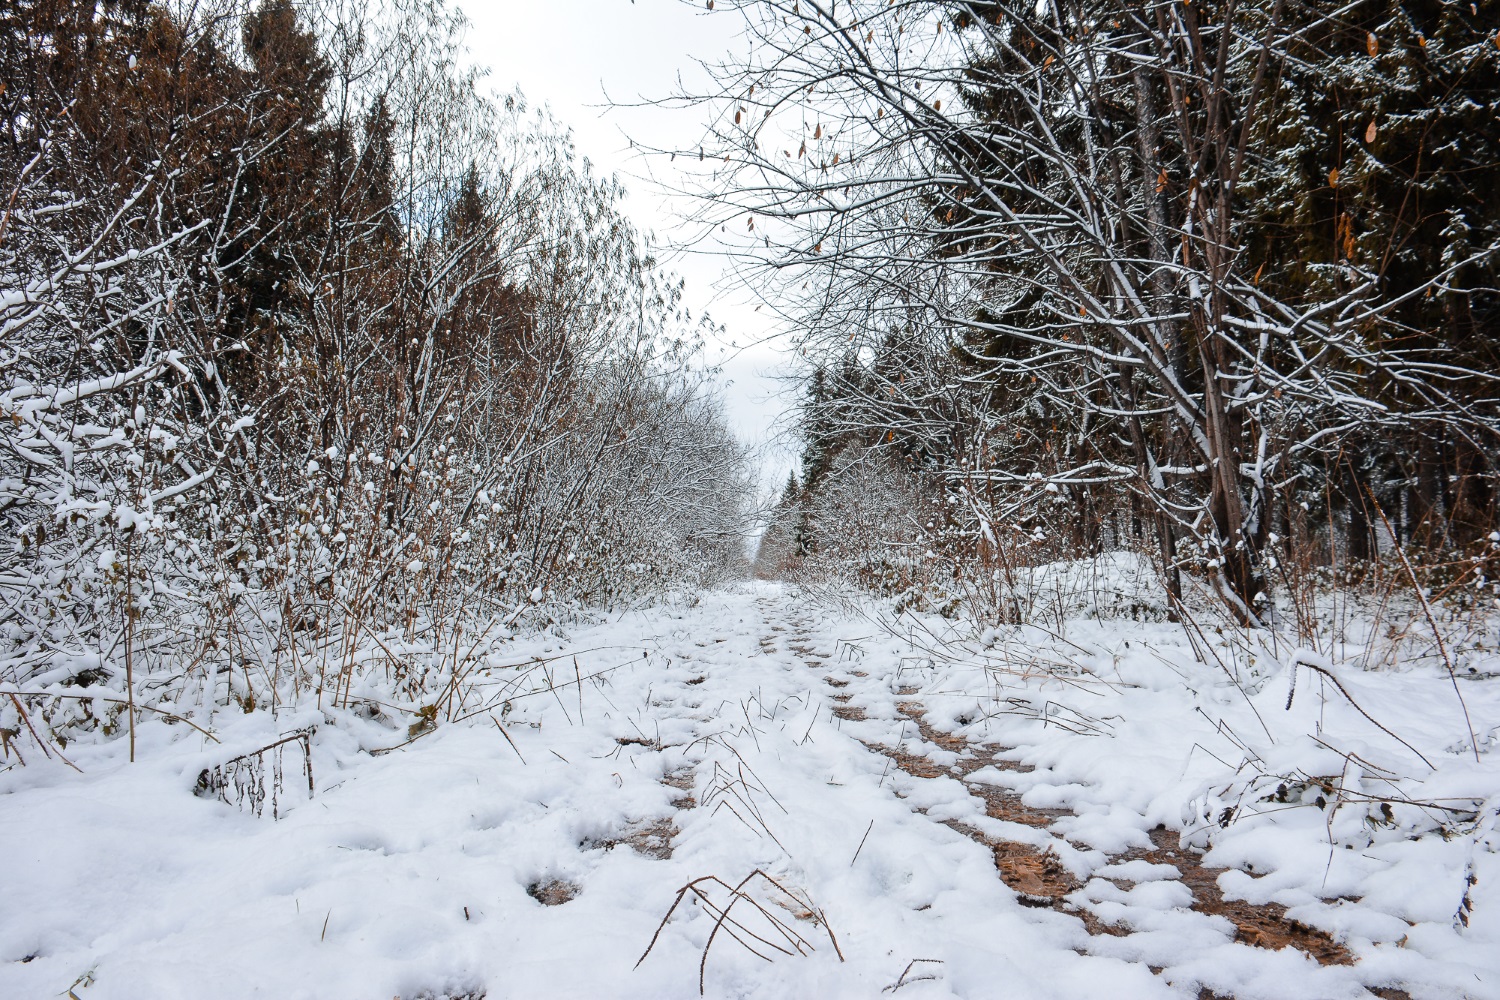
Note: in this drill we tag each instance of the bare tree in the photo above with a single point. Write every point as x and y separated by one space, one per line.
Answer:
1050 192
307 341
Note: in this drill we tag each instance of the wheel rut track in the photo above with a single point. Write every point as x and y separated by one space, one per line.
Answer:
1037 875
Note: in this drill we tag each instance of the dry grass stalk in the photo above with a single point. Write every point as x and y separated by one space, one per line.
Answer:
903 981
791 942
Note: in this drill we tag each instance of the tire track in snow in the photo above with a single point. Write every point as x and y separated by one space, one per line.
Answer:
790 649
1037 874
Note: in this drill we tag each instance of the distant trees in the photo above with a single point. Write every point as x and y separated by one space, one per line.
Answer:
1186 273
779 545
303 336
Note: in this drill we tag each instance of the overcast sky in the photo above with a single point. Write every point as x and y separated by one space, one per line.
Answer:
571 56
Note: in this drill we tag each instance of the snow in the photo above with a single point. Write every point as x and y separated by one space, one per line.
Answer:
406 873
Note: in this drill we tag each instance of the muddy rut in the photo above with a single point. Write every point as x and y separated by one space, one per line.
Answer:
1037 876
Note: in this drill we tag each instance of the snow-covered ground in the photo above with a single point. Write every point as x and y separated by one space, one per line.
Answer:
534 851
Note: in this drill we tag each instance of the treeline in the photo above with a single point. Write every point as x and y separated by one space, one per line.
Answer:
304 339
1218 281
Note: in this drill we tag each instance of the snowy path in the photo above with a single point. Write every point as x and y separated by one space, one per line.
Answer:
714 741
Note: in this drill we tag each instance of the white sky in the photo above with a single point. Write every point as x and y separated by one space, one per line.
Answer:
570 56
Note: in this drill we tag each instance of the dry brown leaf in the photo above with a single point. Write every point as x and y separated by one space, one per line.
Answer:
1370 132
1372 44
1333 177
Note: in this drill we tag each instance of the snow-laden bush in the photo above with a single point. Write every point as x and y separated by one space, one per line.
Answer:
321 373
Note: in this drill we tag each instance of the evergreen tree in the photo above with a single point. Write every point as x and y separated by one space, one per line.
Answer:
1381 164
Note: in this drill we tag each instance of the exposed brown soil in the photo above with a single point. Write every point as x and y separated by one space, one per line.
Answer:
553 892
912 711
1004 804
849 713
681 780
1040 879
1264 925
1384 992
652 840
917 767
1036 876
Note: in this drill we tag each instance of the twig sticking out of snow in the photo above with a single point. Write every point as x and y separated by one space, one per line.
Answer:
1306 659
861 846
903 981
